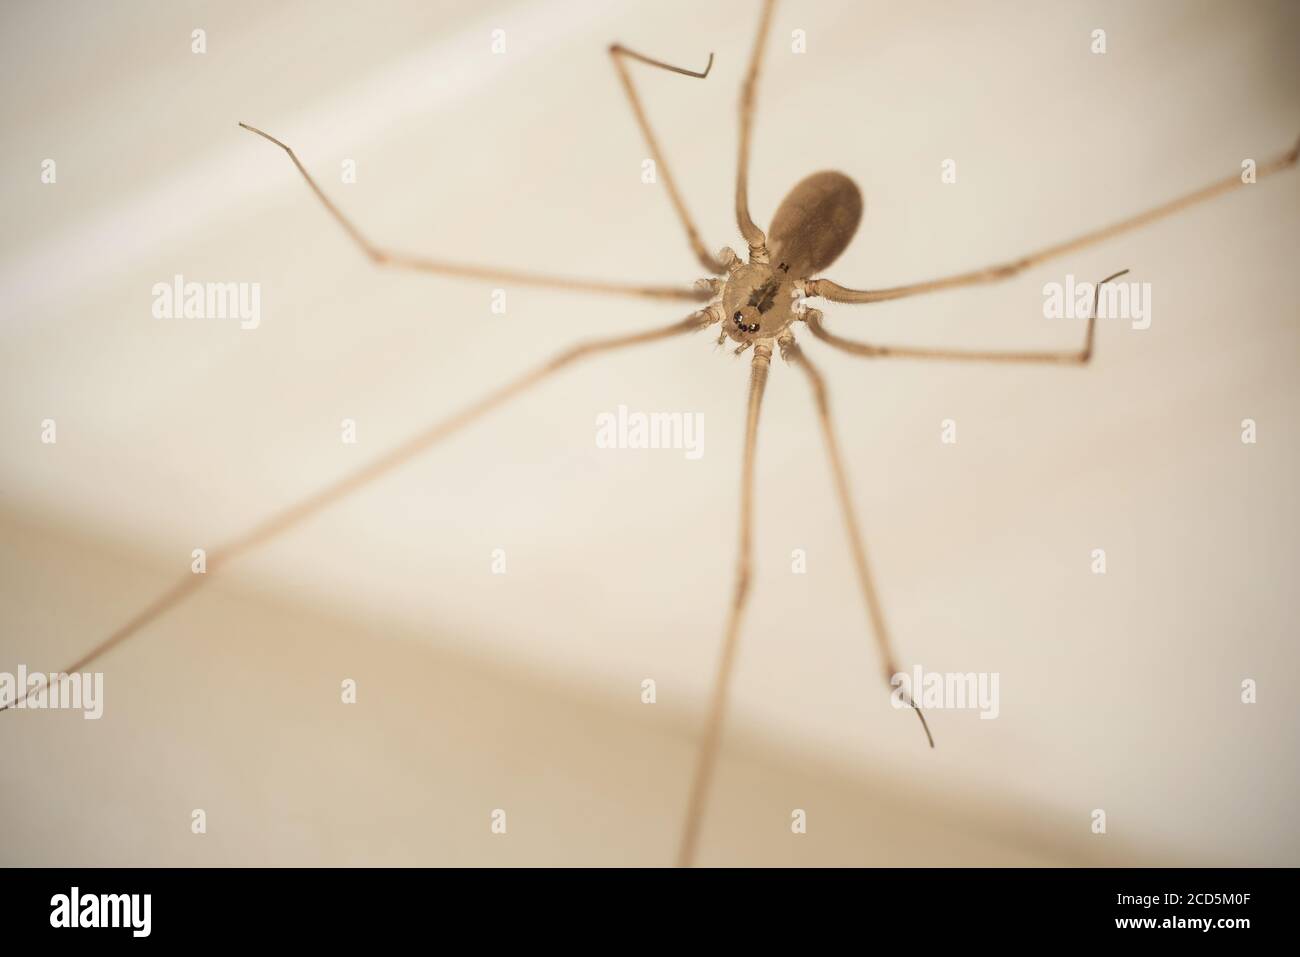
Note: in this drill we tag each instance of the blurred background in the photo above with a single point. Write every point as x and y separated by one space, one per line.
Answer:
523 691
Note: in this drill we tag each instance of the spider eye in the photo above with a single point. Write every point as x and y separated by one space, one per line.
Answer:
736 316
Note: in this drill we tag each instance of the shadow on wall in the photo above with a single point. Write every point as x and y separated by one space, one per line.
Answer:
232 703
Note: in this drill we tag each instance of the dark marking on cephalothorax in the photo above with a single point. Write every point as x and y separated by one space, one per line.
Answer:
763 297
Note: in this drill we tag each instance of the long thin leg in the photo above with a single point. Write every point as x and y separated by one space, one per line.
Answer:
287 518
616 52
1080 357
791 352
708 753
837 293
753 235
382 257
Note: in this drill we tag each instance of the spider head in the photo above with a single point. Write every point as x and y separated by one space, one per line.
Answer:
757 303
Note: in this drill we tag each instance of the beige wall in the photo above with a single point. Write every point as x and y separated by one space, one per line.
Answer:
1119 692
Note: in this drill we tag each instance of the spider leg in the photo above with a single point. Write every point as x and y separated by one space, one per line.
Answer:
1080 357
753 235
791 352
382 257
837 293
707 756
616 52
293 515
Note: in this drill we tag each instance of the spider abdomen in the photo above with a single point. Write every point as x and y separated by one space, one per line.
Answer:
814 224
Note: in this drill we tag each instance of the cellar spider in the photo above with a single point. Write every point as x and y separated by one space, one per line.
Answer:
757 302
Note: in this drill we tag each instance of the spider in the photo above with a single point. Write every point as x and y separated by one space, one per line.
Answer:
757 302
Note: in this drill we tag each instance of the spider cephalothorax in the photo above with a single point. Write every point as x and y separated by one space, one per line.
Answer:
756 302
